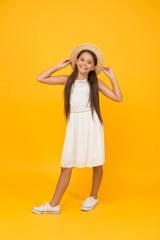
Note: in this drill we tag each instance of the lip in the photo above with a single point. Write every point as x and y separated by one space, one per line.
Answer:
83 67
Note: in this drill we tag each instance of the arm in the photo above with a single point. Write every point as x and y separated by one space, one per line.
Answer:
45 77
114 94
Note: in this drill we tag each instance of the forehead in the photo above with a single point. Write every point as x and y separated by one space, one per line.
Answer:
87 56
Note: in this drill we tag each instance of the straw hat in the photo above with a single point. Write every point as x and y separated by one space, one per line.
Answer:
75 51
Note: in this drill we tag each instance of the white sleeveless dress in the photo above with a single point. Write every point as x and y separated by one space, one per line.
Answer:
84 139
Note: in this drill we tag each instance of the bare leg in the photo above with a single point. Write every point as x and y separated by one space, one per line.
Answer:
96 181
61 185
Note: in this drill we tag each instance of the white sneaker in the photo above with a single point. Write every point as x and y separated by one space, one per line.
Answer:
46 208
89 203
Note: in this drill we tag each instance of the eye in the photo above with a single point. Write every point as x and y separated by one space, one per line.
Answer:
83 60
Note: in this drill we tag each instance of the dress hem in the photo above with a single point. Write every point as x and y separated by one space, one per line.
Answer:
78 166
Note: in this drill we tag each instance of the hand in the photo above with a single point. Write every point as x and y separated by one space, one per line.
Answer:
64 62
108 71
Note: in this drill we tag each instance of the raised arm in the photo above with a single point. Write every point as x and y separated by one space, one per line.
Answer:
45 77
114 94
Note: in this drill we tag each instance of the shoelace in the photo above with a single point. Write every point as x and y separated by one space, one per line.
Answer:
45 207
43 203
89 199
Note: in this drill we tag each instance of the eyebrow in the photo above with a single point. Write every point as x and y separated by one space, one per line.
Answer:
88 60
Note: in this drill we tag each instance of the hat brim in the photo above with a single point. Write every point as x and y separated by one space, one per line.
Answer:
100 58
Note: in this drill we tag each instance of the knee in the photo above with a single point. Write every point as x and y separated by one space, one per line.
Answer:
66 170
98 168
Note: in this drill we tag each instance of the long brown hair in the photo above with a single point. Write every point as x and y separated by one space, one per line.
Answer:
94 91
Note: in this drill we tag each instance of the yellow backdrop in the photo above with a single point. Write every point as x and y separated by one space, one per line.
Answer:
36 35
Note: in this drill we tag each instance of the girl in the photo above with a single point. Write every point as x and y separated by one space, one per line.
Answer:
84 139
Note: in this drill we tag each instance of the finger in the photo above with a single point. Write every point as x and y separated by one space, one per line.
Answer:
67 60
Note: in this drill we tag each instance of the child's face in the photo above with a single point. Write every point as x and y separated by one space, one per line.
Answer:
85 63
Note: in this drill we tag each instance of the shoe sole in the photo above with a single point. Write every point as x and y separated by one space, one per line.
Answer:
88 208
42 212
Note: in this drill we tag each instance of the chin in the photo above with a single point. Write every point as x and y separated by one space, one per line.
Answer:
83 71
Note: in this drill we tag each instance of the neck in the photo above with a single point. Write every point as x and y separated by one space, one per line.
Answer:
81 76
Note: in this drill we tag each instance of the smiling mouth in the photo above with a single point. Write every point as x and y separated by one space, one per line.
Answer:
83 68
